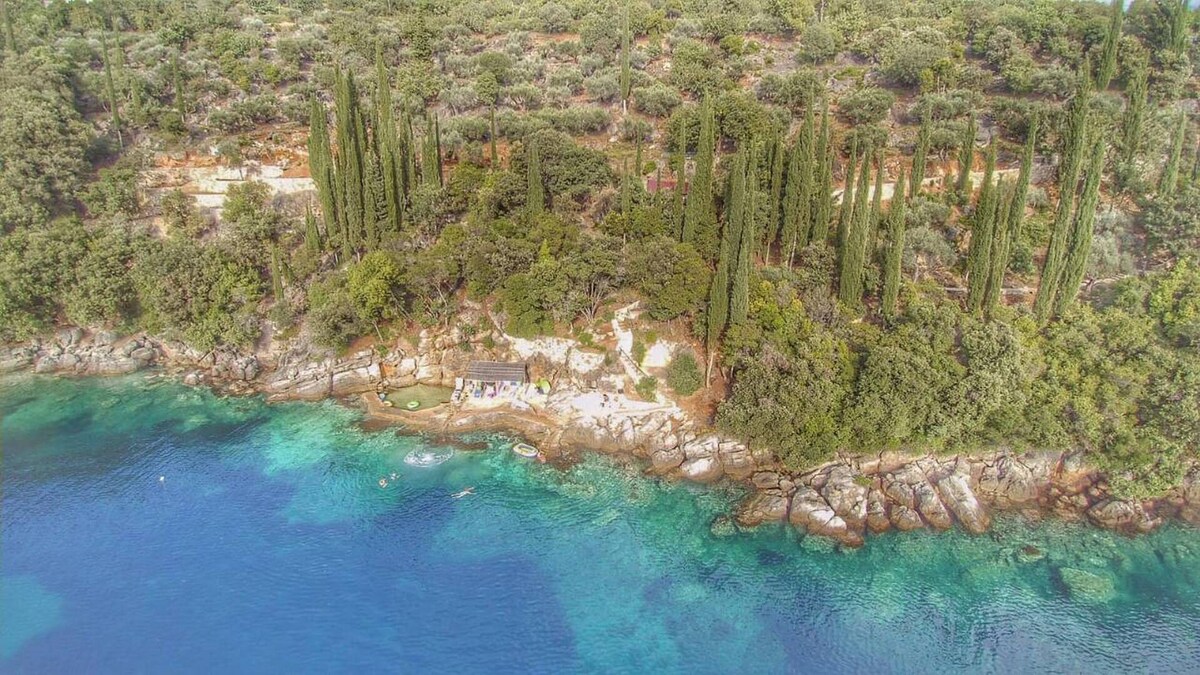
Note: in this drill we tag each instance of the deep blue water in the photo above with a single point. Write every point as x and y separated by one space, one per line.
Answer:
270 546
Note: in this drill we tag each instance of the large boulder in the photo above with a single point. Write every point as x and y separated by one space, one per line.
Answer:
1121 515
877 511
846 496
956 493
931 508
736 460
812 514
1010 482
701 469
762 507
906 519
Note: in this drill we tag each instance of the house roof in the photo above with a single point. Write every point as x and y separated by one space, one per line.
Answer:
496 371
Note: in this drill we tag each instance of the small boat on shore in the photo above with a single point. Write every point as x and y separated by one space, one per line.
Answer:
525 450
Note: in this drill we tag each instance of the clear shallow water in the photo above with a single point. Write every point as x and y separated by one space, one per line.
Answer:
271 546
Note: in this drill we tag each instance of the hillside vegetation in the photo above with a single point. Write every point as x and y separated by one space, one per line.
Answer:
925 224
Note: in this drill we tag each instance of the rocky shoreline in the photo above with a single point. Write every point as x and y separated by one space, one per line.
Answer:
845 500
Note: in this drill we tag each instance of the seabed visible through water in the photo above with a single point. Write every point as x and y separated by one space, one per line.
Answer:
269 544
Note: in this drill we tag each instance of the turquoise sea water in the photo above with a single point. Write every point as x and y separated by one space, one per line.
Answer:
269 545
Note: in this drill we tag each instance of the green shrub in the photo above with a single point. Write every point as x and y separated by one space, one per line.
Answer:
683 374
639 351
646 387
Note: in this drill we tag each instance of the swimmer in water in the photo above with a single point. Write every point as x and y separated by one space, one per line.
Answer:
464 493
395 475
382 482
162 479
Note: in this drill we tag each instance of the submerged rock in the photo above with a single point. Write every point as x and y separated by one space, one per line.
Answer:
1085 585
762 507
1117 514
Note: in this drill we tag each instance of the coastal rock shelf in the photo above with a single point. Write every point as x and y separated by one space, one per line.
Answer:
845 500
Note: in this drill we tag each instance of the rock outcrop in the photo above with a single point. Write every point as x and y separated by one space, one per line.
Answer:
845 500
73 352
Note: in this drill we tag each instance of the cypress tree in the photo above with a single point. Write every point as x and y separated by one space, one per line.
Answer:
699 225
350 163
854 247
110 88
1137 92
320 162
535 192
1170 175
409 176
966 158
626 70
822 206
774 201
979 255
1073 144
894 254
10 38
1108 52
919 155
1081 233
1008 227
1001 246
276 273
177 85
637 157
876 205
793 202
735 216
495 158
1179 16
431 155
626 195
374 201
312 233
388 146
739 301
846 209
679 166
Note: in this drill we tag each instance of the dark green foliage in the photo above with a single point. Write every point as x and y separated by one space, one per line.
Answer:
1081 231
683 374
535 191
1009 223
1108 51
774 196
846 208
979 262
1170 174
919 155
320 161
966 160
699 221
894 252
876 216
647 388
822 210
739 301
853 252
1137 91
731 234
1074 141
